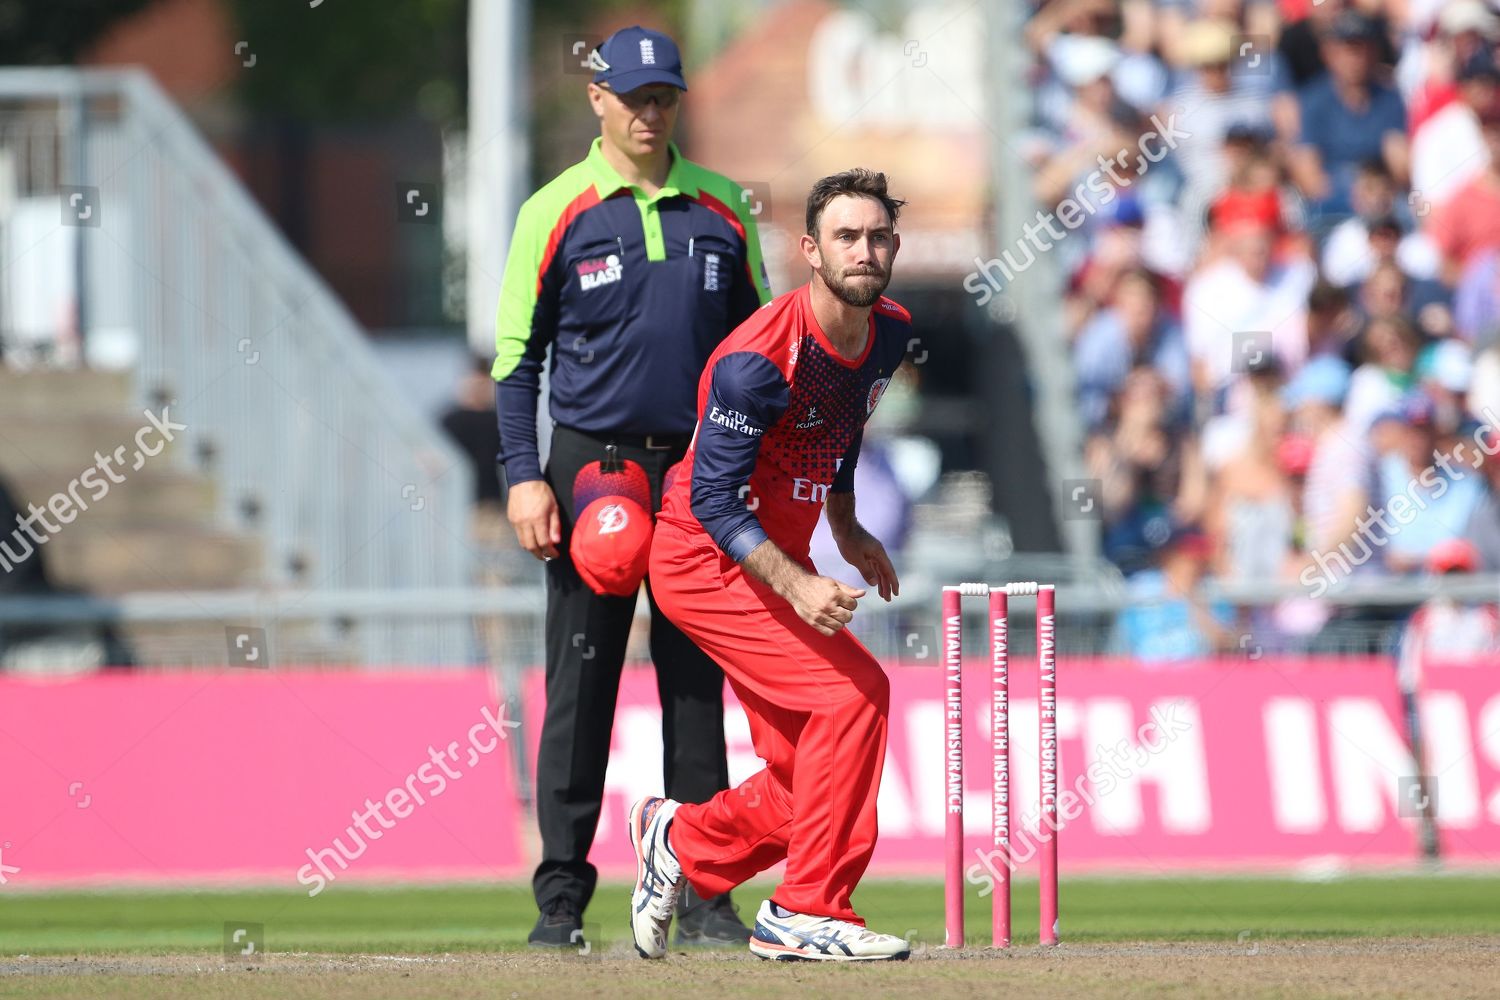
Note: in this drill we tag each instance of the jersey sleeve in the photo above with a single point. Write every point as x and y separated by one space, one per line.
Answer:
524 328
843 480
747 394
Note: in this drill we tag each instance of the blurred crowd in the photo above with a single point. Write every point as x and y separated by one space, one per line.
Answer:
1286 331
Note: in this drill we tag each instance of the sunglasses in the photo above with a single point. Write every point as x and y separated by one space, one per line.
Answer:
664 98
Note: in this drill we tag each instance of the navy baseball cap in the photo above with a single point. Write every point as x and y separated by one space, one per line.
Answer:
1352 26
635 57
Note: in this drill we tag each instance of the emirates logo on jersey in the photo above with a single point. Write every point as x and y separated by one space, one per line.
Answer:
612 518
600 271
876 391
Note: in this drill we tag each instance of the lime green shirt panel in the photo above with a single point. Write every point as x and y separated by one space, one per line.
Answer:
539 215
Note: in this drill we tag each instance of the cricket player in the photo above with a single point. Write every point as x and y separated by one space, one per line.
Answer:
781 411
628 268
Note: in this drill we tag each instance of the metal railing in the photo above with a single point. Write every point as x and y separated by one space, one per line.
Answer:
310 445
502 626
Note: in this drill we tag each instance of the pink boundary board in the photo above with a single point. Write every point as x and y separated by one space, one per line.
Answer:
203 777
1252 765
235 776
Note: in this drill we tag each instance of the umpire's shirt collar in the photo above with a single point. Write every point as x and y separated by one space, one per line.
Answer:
607 181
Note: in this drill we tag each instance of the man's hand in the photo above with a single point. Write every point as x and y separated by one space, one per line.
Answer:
859 548
532 510
865 553
824 603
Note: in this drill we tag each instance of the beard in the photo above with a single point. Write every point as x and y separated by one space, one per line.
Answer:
859 295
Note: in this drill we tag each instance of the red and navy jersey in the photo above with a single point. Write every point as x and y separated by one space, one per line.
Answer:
780 418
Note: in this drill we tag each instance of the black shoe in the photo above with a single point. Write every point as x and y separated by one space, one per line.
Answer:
559 926
708 923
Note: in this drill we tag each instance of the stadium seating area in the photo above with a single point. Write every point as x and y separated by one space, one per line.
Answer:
1285 329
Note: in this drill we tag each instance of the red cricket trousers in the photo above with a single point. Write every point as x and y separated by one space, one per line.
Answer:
818 707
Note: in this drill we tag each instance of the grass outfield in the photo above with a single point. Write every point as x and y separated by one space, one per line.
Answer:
1181 937
347 919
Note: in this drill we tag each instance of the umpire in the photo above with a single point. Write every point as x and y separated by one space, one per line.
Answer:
631 266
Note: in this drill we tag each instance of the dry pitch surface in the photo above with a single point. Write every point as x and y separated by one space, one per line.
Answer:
1402 967
1422 935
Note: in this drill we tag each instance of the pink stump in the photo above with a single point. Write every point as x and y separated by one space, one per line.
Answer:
1046 642
953 754
1000 777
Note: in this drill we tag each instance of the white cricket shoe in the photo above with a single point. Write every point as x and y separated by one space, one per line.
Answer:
658 876
798 937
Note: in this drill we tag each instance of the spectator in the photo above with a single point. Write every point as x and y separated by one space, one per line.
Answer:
1300 43
1484 386
1255 191
1447 629
1346 117
1482 530
1339 479
471 424
1165 620
1443 495
1140 77
1434 53
1382 295
1388 291
1149 469
1098 124
1476 300
23 572
1332 326
1133 331
1244 292
1114 248
1071 37
21 561
1448 149
1469 223
1224 436
1445 371
1084 64
1211 101
1349 257
1388 373
1251 509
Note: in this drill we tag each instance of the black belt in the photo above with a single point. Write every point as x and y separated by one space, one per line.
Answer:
645 442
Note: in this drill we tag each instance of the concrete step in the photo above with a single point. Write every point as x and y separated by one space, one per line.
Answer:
28 441
49 393
156 495
151 531
150 558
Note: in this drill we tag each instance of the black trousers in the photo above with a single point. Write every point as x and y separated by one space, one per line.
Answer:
585 638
